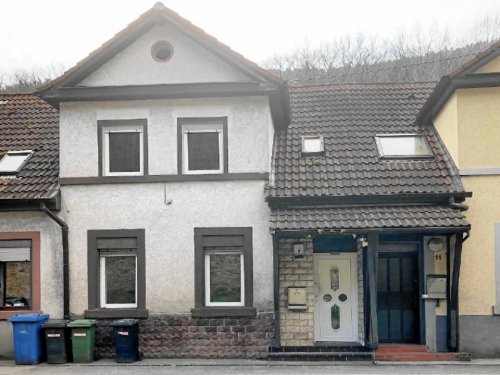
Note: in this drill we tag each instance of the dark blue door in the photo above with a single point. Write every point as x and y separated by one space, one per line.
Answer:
397 297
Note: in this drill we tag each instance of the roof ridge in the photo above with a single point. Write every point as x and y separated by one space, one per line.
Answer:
291 87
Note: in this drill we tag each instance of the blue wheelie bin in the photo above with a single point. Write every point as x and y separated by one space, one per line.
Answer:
28 343
126 337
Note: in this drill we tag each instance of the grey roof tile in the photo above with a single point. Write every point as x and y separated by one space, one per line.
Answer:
349 117
29 123
367 217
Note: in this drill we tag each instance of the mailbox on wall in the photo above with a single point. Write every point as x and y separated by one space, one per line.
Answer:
435 287
297 298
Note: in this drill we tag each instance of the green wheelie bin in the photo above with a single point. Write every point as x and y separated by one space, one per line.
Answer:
83 340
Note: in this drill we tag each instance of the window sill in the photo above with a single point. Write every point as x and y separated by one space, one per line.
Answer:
221 312
116 313
6 314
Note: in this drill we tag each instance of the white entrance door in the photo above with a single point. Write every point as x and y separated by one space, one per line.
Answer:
336 297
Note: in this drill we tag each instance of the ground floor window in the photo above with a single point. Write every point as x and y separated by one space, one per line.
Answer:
19 273
116 274
223 271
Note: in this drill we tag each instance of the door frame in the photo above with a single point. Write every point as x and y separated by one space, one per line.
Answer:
355 293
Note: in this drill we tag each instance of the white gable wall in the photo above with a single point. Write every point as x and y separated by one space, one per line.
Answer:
191 63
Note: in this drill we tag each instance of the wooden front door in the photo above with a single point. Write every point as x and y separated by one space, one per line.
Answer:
336 298
398 297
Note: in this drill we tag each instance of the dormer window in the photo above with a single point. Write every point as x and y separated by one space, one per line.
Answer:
12 162
312 145
403 146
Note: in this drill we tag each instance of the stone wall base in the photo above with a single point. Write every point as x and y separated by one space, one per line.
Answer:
181 336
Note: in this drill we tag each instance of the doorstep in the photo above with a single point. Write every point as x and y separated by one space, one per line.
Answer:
415 353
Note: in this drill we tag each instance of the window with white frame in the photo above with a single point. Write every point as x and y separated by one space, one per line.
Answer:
13 161
403 146
203 145
118 278
224 278
123 148
116 262
223 272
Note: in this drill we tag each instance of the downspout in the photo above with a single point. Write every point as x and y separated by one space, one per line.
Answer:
455 289
276 293
65 245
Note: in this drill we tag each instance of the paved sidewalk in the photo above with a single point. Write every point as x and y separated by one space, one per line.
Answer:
236 367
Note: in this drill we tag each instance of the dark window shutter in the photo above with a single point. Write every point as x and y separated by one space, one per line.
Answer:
124 152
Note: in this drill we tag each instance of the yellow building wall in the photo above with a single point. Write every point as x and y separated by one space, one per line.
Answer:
479 127
477 274
470 127
446 123
492 67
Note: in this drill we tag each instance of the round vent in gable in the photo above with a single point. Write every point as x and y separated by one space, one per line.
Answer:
162 51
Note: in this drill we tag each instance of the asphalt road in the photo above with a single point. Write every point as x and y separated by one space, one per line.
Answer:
288 369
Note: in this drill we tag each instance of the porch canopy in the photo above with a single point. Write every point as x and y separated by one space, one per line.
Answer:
403 217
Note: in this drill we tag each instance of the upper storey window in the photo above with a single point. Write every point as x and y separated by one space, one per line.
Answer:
312 145
203 145
403 146
13 161
123 144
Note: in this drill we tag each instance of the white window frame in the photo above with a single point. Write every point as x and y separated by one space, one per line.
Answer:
102 280
202 128
106 130
207 278
378 138
311 137
27 154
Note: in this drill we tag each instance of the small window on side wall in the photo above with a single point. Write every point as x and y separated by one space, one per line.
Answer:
202 145
312 145
403 146
223 272
123 147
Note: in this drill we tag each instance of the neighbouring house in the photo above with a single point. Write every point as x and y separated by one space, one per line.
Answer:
232 216
367 222
465 109
31 256
166 139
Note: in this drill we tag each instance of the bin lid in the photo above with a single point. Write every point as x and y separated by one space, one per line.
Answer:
55 323
125 323
28 317
82 323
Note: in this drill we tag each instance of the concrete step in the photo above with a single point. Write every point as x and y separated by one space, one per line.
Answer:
320 356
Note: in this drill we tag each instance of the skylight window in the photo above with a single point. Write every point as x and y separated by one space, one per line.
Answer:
313 145
13 161
403 146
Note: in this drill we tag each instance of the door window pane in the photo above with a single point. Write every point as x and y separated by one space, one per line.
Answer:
335 317
203 151
334 278
124 152
225 278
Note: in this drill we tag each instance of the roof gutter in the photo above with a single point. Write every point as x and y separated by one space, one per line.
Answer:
65 249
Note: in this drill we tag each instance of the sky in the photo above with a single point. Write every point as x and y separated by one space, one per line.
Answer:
35 34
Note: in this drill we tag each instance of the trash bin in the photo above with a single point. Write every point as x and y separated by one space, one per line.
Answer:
57 341
83 340
28 343
126 338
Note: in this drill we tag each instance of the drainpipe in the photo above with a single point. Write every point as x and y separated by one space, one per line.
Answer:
457 206
65 245
455 289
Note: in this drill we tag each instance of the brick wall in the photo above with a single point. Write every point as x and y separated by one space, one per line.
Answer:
181 336
296 327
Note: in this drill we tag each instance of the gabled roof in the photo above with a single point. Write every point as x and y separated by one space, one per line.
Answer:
349 117
462 77
29 123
